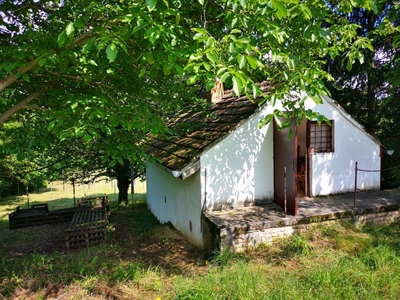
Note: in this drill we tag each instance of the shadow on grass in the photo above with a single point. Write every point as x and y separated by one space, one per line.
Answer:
4 223
136 250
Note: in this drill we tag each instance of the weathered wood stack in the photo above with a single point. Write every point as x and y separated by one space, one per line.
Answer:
33 216
89 226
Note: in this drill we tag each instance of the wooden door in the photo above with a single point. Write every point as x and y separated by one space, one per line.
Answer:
285 159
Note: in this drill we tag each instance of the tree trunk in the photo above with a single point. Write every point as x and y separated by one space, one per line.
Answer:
123 175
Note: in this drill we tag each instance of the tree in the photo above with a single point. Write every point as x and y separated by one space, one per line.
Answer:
17 175
370 91
95 75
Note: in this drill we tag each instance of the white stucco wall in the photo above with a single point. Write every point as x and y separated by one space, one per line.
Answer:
334 172
176 200
239 169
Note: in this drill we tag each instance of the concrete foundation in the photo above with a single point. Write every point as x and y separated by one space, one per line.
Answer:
245 228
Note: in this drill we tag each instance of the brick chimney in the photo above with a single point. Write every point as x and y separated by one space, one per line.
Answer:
217 92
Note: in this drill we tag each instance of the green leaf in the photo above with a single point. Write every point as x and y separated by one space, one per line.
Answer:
26 78
212 57
278 121
111 51
179 69
74 105
237 85
153 34
70 29
201 2
198 35
290 134
241 61
113 163
264 121
192 79
42 62
256 91
51 125
224 76
142 72
306 11
281 10
200 30
320 119
253 62
166 69
374 7
177 19
243 40
87 137
210 84
63 136
20 155
88 45
62 38
151 4
79 24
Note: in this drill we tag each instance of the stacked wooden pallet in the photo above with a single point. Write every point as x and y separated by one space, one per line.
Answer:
87 227
38 214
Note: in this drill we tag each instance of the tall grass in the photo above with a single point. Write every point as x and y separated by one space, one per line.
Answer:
317 266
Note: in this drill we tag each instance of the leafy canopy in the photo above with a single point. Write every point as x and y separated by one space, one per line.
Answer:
113 70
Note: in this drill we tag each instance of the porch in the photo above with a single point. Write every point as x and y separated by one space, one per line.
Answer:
244 228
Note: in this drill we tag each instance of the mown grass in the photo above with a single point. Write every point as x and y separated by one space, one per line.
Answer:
336 261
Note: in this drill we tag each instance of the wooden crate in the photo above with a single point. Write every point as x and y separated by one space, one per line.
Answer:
86 228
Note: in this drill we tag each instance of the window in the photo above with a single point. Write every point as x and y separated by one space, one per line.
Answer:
320 136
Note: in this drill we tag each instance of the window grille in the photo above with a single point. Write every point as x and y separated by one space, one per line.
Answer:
320 136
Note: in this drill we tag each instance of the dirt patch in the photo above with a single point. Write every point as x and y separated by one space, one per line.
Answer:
137 238
163 246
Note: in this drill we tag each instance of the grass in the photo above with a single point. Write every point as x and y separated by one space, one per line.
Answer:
335 261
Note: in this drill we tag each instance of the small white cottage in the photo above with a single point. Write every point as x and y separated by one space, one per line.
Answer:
219 159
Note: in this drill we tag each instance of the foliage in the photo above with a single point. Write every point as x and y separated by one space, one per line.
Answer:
17 174
369 89
112 74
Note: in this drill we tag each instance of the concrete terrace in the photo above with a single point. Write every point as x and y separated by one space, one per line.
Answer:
245 227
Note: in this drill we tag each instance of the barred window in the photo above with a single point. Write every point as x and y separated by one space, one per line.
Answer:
320 136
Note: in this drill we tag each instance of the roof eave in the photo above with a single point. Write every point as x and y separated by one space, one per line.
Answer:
185 172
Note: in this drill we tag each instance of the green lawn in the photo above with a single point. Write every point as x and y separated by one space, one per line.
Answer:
147 260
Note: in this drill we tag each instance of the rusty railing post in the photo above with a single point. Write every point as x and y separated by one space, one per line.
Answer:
355 186
284 186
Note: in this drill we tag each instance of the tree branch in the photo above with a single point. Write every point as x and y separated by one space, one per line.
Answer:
79 41
20 105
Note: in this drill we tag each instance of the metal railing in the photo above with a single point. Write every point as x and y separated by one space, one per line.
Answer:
368 171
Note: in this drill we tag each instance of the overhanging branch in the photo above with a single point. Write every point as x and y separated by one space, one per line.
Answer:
20 105
79 41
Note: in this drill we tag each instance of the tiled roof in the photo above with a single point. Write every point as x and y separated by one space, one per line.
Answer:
197 131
